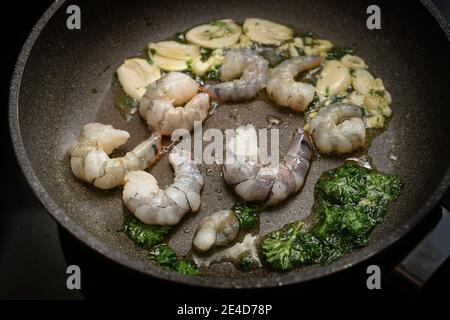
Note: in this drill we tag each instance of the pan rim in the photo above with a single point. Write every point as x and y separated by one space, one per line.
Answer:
144 267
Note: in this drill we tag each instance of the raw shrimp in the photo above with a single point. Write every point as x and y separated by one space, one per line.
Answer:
161 104
90 161
285 90
218 229
246 64
153 205
267 184
249 245
338 128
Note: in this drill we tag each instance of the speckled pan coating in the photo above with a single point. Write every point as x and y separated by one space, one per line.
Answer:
52 98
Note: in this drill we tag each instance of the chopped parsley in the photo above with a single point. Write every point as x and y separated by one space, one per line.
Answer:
143 235
206 53
246 262
165 257
129 102
212 74
349 202
247 214
338 52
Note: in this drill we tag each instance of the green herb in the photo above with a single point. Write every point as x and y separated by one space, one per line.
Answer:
307 37
374 92
247 214
149 60
246 262
350 202
222 31
206 53
187 268
219 23
339 52
179 37
314 105
212 74
129 102
189 63
152 51
143 235
334 99
164 256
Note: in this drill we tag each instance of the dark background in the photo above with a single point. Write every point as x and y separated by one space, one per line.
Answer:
34 253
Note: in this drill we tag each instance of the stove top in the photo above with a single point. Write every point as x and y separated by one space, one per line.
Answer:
35 252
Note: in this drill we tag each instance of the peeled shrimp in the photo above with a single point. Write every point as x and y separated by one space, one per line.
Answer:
218 229
285 90
90 161
338 128
267 184
249 245
153 205
161 104
246 64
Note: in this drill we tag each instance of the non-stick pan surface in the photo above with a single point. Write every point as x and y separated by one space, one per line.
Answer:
63 81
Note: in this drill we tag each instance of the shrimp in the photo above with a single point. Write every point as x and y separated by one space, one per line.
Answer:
218 229
161 104
153 205
267 184
90 161
246 64
338 128
285 90
249 245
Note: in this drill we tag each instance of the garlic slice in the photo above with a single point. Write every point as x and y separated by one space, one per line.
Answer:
318 46
200 67
174 50
362 81
353 62
169 64
217 34
267 32
335 78
135 75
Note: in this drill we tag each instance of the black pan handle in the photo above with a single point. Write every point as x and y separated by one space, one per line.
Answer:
428 255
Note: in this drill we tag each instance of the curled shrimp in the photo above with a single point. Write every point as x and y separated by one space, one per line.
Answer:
267 184
338 128
246 64
161 104
284 90
153 205
90 161
218 229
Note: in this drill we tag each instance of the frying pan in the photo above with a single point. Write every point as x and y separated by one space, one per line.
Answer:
63 81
